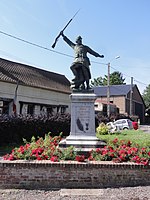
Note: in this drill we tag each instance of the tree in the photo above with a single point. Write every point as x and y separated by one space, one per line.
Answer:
146 96
116 78
97 81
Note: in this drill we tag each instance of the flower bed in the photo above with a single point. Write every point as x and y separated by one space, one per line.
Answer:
48 149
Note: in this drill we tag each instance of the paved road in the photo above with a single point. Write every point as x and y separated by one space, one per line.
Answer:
127 193
145 128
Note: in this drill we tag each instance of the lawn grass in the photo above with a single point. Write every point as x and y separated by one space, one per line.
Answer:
135 136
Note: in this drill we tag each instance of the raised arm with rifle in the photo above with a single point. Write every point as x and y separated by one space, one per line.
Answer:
56 39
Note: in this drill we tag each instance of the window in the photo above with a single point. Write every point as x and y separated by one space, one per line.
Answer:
4 107
30 109
63 109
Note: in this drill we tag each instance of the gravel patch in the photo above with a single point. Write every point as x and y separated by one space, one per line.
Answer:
126 193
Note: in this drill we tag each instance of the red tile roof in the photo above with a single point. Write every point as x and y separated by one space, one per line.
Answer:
31 76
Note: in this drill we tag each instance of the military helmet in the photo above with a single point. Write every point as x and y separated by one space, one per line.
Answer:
79 38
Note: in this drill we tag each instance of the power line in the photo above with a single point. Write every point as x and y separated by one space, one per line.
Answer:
16 58
140 82
98 63
39 46
122 73
45 48
131 77
33 44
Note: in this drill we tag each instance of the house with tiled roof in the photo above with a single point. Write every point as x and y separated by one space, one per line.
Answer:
26 89
120 95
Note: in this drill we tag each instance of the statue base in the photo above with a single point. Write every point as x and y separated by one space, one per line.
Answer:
82 145
82 136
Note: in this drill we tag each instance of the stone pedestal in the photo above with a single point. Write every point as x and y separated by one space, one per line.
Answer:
82 135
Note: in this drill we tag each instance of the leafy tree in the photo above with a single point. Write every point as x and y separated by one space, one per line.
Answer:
97 81
146 96
116 78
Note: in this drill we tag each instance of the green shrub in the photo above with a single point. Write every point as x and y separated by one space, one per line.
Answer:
68 153
13 129
102 129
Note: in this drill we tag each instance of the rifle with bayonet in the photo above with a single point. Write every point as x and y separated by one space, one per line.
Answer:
56 39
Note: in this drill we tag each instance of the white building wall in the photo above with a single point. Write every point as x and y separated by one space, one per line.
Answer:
7 90
35 95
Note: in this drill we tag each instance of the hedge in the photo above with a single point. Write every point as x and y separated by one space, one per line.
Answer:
14 129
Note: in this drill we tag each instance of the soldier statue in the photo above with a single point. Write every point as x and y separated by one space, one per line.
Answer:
81 63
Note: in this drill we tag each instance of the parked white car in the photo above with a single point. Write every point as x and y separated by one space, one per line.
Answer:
123 124
112 128
120 124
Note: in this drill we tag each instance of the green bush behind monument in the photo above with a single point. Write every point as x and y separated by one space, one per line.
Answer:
13 129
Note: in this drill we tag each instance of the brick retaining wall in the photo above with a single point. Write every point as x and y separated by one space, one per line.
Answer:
47 174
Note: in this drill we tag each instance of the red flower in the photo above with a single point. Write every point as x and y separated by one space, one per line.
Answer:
115 140
129 152
129 143
90 158
34 151
38 158
37 151
122 151
104 152
80 158
11 157
116 160
5 157
44 157
98 150
112 155
21 149
27 146
136 159
122 157
143 151
145 162
123 146
54 159
111 150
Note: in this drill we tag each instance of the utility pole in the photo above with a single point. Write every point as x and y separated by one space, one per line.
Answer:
108 91
108 87
131 97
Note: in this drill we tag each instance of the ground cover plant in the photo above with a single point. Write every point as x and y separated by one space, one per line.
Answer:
135 136
47 148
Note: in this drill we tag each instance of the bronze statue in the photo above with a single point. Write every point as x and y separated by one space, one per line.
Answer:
81 63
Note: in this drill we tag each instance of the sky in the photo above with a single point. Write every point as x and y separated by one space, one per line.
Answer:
113 28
